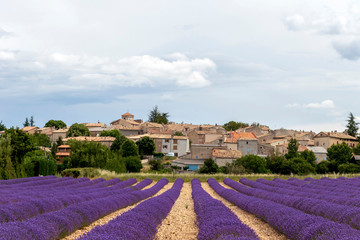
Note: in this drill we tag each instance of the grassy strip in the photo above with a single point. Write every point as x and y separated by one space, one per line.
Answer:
96 173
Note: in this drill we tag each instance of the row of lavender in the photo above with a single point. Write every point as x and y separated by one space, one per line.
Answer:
309 209
142 221
20 207
57 220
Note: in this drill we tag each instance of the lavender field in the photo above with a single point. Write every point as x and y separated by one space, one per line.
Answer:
67 208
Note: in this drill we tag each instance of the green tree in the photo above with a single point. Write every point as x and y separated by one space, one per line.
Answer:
155 164
133 164
178 134
128 148
232 125
356 149
276 164
293 147
77 130
58 124
7 170
157 117
41 140
146 146
88 154
119 138
37 163
340 153
26 123
253 164
2 126
209 166
116 163
309 156
352 126
298 166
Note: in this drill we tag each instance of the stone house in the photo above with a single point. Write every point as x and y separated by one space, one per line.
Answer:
224 156
319 152
327 139
56 134
205 137
30 130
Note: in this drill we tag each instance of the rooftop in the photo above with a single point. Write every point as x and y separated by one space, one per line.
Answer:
92 139
226 153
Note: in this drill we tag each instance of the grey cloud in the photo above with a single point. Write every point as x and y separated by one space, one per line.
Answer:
4 33
349 50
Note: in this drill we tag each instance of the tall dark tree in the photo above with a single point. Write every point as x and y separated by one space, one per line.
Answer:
55 123
32 122
26 123
352 126
157 117
293 147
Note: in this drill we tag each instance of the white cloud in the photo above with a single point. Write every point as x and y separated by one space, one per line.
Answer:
295 22
323 104
185 72
5 55
72 59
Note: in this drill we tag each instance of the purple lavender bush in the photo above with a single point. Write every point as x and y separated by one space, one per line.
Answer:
293 223
142 221
58 224
214 219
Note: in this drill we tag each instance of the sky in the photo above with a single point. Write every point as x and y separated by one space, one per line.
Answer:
285 64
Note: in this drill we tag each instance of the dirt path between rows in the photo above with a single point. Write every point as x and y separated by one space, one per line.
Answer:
181 221
261 228
104 220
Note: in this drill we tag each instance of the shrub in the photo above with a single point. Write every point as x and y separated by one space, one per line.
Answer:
70 173
349 168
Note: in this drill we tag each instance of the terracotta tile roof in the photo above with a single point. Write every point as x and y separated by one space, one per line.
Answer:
124 122
64 146
151 124
337 135
127 114
27 129
62 130
157 136
120 127
226 153
94 124
302 148
243 135
230 140
63 154
93 139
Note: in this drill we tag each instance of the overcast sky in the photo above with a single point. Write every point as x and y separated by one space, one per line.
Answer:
291 64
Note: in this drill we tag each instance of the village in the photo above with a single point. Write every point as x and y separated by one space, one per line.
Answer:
193 144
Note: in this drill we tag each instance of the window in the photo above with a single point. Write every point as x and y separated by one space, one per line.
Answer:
175 147
166 140
165 147
175 141
247 142
248 150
